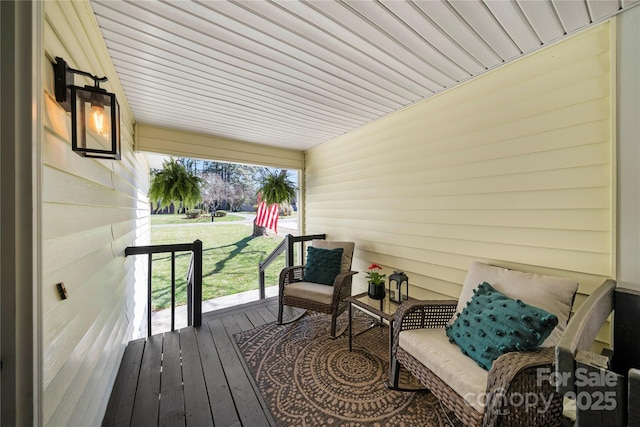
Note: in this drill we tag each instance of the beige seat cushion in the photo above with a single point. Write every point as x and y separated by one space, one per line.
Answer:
347 251
310 291
431 347
553 294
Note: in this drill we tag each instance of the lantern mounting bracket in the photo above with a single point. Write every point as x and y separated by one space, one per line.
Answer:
64 79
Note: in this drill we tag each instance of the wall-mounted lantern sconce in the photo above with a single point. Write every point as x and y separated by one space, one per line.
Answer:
95 113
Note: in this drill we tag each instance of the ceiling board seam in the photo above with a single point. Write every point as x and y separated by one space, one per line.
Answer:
358 49
168 83
348 83
530 27
254 123
554 16
589 11
471 28
557 13
314 42
416 34
444 33
404 47
394 55
499 24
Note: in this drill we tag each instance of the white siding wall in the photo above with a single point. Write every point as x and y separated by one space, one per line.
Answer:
198 146
92 210
512 168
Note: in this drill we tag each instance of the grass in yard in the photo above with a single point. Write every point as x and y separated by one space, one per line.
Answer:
230 260
162 219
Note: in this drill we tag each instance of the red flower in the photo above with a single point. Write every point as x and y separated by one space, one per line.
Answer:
374 275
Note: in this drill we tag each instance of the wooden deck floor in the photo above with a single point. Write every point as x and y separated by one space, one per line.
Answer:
192 377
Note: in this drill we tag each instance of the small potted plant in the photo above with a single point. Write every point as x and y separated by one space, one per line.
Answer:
376 282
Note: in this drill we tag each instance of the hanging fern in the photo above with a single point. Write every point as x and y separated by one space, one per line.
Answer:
276 187
175 184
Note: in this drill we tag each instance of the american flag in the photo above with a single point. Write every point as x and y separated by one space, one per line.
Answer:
267 216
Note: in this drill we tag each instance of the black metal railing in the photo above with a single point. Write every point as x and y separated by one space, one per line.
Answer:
194 279
285 245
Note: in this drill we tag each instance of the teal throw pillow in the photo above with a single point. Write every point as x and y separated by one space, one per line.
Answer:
323 265
493 324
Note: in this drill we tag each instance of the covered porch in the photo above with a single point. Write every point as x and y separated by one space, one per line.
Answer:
192 376
523 155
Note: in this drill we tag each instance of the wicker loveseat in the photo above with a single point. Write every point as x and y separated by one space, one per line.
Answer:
512 391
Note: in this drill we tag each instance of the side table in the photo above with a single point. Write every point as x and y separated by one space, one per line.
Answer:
383 309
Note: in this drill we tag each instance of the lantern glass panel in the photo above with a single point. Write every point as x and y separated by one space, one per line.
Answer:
116 120
94 120
394 290
96 123
404 290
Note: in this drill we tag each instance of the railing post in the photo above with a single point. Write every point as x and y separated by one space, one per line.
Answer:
189 304
261 280
289 250
197 286
150 272
173 290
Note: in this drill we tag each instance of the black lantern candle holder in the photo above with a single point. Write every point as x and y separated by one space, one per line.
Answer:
398 287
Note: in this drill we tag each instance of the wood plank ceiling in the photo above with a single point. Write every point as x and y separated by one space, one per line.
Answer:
295 74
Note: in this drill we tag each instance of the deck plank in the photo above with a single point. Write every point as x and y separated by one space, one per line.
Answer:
171 402
243 322
193 377
255 318
220 399
196 401
244 396
146 404
231 326
206 317
120 406
273 308
267 315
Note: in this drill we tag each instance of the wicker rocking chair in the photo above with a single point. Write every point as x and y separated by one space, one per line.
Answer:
327 299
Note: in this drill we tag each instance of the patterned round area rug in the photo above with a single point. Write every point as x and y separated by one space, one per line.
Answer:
309 379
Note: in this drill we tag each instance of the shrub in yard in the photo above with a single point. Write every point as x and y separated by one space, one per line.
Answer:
285 209
220 213
193 213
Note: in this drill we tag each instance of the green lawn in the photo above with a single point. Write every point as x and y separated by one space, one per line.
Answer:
230 260
163 219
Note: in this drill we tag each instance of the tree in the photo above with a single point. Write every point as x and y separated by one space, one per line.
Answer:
239 182
274 187
214 190
175 184
238 195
